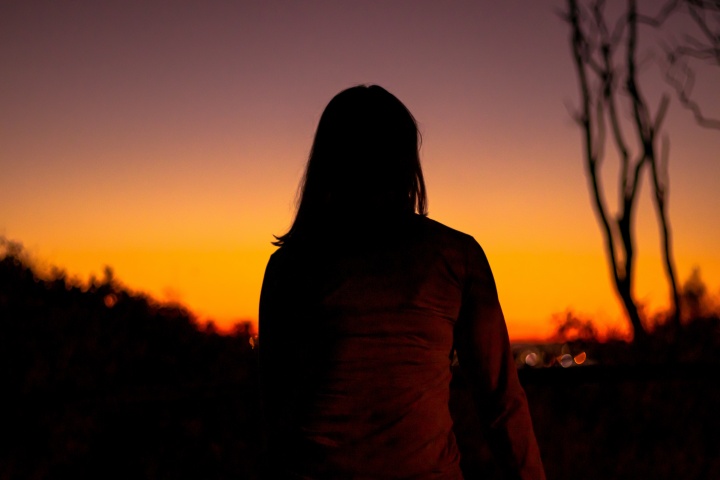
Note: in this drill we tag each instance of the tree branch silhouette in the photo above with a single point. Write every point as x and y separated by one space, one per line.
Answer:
705 15
604 86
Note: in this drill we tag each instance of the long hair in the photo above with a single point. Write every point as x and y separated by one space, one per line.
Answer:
364 165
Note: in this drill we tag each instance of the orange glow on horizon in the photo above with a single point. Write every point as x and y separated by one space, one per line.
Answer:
222 284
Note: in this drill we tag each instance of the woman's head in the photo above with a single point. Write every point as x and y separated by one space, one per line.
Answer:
364 163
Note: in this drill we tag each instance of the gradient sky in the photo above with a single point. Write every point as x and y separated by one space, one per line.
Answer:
166 139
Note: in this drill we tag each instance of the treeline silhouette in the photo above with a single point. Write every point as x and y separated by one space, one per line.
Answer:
101 382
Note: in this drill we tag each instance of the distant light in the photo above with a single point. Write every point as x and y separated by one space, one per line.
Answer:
252 342
110 300
580 358
531 359
566 360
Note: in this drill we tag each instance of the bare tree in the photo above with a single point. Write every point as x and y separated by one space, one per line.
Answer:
606 59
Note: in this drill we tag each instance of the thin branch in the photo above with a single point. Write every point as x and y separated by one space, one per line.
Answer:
660 115
578 43
607 92
665 12
683 90
698 15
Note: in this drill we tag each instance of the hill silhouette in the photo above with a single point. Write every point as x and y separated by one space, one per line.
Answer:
99 382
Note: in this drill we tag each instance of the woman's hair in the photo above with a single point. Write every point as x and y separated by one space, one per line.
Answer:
364 164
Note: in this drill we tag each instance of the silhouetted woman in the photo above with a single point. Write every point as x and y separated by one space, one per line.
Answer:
362 306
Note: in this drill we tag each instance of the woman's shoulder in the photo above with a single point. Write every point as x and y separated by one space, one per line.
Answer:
447 235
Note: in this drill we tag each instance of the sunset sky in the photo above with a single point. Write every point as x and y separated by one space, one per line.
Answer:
167 138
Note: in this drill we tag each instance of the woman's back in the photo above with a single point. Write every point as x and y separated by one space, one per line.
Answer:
359 354
362 306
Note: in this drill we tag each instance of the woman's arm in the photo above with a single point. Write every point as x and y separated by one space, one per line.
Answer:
483 348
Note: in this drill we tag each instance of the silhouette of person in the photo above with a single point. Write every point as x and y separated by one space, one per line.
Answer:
362 306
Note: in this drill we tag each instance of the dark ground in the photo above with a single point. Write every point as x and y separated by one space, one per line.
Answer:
616 422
